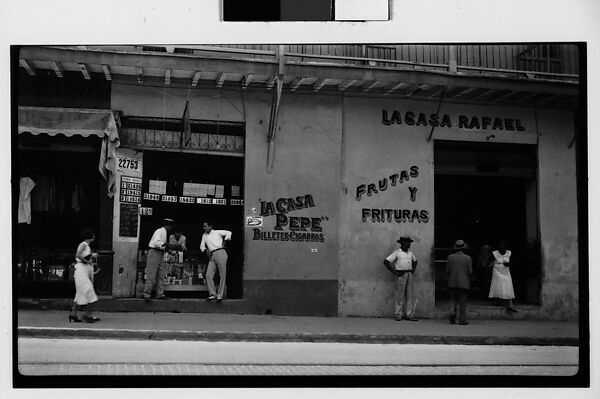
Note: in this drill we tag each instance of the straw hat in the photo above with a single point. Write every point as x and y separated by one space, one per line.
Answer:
460 244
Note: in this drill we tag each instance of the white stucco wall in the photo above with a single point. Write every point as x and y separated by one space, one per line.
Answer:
558 215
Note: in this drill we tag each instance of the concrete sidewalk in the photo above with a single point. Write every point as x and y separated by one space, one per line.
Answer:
269 328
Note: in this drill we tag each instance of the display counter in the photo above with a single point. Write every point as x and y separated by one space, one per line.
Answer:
185 272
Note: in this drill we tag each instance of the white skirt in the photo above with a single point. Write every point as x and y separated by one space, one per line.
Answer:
501 286
84 287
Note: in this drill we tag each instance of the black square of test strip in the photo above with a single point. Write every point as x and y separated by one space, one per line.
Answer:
278 10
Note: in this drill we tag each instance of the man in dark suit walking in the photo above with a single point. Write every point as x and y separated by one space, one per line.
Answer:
458 270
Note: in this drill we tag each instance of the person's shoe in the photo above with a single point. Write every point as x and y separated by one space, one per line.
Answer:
512 310
453 319
211 298
219 300
147 299
163 297
463 323
411 318
74 318
398 318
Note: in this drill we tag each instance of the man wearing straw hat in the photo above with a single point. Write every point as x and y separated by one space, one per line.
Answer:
156 269
459 269
404 265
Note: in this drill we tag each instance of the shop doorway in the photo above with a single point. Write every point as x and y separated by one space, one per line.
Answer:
68 195
176 168
485 193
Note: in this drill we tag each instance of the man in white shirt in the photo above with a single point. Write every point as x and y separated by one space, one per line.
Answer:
156 269
212 242
404 265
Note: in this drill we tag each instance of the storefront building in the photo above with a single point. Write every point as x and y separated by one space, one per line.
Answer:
317 170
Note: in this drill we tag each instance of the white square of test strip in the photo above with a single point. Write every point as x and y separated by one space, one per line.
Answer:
361 10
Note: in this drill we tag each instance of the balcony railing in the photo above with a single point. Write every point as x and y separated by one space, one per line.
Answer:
541 61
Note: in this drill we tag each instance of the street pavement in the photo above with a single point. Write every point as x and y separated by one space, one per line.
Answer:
270 328
42 356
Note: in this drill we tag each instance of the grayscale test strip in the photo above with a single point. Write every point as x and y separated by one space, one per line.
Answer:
306 10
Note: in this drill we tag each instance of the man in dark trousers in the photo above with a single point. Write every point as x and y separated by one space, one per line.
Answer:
404 265
458 270
156 269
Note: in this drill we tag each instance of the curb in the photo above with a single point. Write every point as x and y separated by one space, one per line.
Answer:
161 335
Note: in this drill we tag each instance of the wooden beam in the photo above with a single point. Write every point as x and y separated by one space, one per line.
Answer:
417 90
30 70
435 91
84 71
502 95
481 93
296 83
319 84
527 98
396 87
347 85
140 74
246 81
168 77
106 70
57 68
196 78
464 91
221 79
370 87
551 97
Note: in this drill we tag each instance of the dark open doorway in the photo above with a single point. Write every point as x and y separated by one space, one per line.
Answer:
178 168
485 193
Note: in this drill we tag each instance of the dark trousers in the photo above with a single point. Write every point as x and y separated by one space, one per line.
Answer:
458 298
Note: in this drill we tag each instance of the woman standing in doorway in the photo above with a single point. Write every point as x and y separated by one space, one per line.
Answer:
501 286
84 277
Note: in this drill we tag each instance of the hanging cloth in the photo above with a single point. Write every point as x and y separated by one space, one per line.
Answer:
25 187
40 198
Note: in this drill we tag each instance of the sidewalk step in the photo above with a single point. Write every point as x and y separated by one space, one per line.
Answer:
485 311
241 306
228 336
228 306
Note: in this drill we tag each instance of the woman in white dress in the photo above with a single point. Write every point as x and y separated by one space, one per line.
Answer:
84 279
501 286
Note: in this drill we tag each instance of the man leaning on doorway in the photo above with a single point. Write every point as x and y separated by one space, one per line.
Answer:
212 242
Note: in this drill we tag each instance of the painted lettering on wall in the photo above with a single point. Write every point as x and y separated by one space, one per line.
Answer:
287 236
377 215
296 225
394 215
286 205
391 181
410 118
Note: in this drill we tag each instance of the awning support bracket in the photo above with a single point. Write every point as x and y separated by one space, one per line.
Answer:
275 109
437 113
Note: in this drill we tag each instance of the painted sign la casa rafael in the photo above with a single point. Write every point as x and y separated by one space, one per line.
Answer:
468 122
